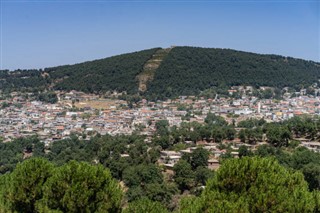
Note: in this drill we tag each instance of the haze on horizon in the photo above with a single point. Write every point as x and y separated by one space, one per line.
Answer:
39 34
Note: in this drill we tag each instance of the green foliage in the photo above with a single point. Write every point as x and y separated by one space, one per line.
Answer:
184 175
142 175
213 119
24 186
253 185
193 204
251 122
12 152
80 187
304 126
239 188
37 186
230 132
5 105
278 135
251 135
162 127
117 73
311 173
146 181
244 151
163 141
266 94
160 192
200 69
48 97
202 174
205 71
316 195
70 149
145 206
306 161
265 150
199 157
23 79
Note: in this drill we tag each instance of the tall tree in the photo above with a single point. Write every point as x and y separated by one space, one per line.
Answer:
184 175
199 157
24 186
253 185
80 187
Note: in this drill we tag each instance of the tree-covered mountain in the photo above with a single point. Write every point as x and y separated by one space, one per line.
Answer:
180 71
117 73
190 70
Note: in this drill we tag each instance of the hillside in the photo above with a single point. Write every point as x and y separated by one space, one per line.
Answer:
117 73
160 73
189 70
150 68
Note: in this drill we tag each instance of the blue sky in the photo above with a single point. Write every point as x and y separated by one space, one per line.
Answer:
38 34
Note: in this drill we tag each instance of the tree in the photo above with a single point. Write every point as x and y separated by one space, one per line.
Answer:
162 127
213 119
11 153
278 135
242 135
218 134
251 122
267 94
146 181
244 151
145 205
162 141
199 157
80 187
316 196
142 175
230 132
311 173
24 186
253 185
202 174
160 192
265 150
184 175
49 97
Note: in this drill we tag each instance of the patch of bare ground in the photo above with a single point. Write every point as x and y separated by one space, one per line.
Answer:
150 68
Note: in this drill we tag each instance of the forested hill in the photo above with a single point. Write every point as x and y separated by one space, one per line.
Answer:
190 70
117 73
180 71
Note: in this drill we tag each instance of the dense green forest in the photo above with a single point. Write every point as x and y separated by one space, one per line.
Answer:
190 70
117 73
249 184
74 175
23 80
184 71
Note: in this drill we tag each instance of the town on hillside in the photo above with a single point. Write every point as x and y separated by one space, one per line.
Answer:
85 115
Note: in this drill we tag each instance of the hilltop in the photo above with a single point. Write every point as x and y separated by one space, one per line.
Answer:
162 73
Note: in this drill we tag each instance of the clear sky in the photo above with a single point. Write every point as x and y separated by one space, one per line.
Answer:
44 33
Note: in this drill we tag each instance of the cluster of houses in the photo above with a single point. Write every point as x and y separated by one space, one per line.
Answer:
21 117
170 158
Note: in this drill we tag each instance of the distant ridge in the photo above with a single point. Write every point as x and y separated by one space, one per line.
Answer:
162 73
